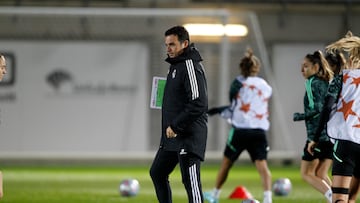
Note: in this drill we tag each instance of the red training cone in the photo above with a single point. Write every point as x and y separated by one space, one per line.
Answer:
240 192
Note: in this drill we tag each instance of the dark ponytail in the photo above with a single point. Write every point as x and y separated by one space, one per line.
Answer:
325 71
336 60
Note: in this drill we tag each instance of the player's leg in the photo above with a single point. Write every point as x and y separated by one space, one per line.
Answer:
324 151
163 164
322 172
340 188
308 167
233 149
190 172
223 172
214 195
265 174
354 189
308 174
234 146
258 149
345 156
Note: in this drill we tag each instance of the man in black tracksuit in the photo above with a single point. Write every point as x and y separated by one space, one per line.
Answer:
184 119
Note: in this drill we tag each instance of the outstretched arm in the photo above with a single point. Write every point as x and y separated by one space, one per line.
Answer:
216 110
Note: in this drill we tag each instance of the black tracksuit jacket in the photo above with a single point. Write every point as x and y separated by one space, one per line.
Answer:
185 104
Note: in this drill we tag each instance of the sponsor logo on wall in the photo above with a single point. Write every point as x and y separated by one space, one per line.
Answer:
63 82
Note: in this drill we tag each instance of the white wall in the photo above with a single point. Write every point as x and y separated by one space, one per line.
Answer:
103 108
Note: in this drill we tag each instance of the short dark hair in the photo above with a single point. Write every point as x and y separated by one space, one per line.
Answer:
179 31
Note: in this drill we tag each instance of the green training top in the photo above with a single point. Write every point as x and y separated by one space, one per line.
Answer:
314 98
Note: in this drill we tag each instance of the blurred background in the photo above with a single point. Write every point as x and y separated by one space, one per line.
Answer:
80 72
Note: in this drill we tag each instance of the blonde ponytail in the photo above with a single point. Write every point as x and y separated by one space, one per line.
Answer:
350 45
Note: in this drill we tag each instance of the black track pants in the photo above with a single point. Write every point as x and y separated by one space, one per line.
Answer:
164 163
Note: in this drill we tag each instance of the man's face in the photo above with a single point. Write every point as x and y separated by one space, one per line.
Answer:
2 67
173 46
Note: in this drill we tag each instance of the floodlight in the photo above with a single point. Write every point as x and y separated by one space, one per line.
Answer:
231 30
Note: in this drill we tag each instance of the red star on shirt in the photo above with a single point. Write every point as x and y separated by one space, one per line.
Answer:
356 81
357 125
252 87
245 107
266 99
259 116
346 108
345 77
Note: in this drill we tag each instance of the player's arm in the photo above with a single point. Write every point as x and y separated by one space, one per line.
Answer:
217 110
235 86
324 117
331 98
320 89
333 93
233 92
298 116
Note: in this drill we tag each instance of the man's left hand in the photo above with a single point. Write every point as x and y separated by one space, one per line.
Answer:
170 133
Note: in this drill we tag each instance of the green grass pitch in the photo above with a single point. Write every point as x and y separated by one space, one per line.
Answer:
99 184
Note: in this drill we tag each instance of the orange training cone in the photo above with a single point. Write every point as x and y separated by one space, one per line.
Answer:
240 192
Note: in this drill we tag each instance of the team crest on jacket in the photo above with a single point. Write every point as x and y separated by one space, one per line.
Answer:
174 73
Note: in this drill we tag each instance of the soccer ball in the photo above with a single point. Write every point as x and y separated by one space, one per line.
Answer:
282 187
250 201
129 187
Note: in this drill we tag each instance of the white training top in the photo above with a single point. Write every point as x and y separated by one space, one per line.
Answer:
250 108
345 123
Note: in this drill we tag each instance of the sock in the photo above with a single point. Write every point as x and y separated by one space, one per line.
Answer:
267 196
216 193
328 195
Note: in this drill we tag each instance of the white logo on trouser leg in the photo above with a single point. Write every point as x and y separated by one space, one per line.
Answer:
183 152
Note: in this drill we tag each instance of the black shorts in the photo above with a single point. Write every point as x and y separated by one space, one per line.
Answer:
252 140
323 150
346 158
